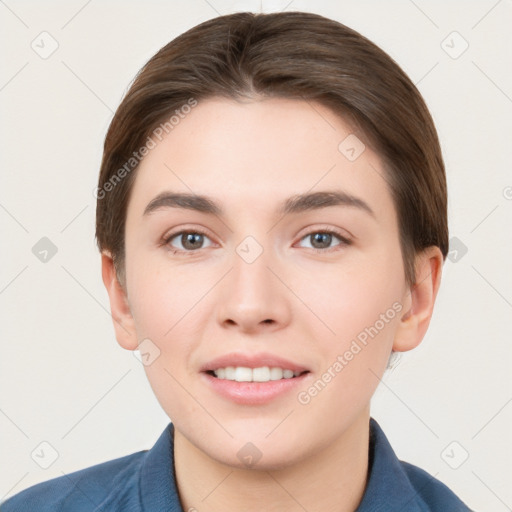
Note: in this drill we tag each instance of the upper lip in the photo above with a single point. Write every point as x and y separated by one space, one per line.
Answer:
252 361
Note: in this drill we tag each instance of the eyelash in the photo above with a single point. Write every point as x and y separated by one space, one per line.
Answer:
344 241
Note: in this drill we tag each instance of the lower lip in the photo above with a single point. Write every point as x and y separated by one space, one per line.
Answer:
253 393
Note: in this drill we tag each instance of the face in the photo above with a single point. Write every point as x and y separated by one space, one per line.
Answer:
317 285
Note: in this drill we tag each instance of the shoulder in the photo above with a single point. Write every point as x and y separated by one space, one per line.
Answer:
431 493
97 487
394 484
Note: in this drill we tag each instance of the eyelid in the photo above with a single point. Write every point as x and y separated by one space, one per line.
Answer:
168 236
327 228
344 237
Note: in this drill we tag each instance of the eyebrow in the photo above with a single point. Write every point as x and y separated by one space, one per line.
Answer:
294 204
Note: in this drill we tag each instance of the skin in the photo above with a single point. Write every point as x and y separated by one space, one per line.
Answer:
291 301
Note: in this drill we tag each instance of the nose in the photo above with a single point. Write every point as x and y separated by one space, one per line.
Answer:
254 297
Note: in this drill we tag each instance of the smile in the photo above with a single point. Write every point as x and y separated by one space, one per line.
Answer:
261 374
253 392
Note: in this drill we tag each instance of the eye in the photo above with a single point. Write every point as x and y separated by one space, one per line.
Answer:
192 240
321 240
189 241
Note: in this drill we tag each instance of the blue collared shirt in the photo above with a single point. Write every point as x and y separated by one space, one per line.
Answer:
145 481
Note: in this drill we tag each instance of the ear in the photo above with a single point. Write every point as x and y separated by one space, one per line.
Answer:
124 325
419 300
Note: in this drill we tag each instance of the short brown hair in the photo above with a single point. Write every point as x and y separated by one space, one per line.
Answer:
295 55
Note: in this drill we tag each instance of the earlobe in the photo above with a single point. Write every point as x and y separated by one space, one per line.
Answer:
122 318
419 300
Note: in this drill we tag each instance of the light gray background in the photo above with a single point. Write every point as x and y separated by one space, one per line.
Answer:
64 378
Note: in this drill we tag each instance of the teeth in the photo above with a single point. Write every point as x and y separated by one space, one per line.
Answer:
221 373
243 374
276 373
262 374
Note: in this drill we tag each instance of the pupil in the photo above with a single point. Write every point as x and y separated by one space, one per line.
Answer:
324 238
192 240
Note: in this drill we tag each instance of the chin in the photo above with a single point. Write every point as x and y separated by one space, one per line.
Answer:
264 461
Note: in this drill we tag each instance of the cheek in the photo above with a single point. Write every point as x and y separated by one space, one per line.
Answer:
350 297
165 307
156 294
166 303
360 303
363 310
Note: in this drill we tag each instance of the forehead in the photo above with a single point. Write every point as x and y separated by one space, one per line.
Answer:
258 154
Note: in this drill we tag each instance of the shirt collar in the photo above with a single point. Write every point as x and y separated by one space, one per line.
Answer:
158 490
388 487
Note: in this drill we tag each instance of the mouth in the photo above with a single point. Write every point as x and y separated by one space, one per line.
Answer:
253 379
259 374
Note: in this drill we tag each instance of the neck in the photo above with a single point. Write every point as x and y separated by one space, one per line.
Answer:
330 480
